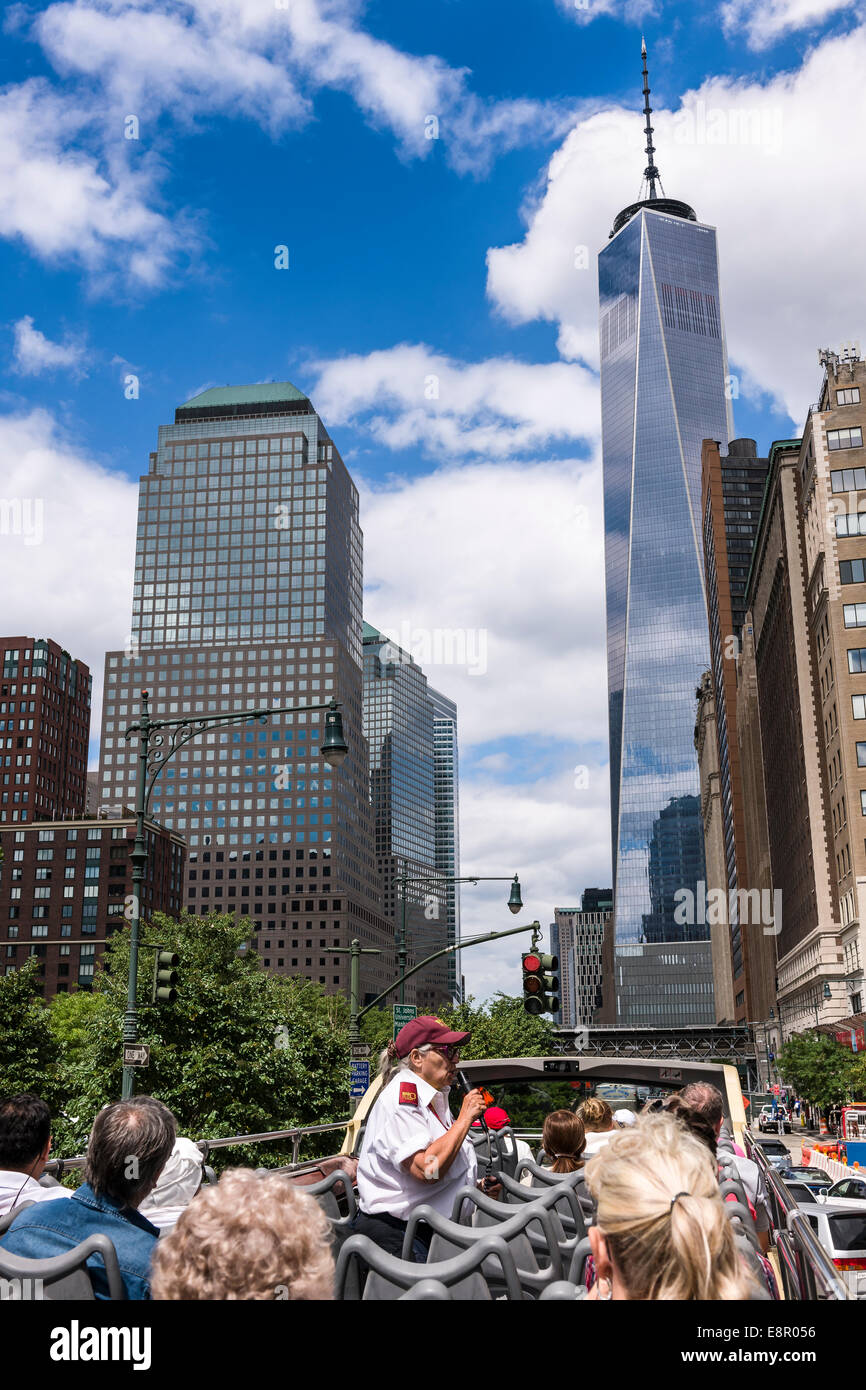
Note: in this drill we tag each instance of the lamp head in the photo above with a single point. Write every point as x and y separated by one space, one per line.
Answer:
334 748
515 901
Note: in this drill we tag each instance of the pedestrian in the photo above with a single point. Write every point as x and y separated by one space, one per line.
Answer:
413 1152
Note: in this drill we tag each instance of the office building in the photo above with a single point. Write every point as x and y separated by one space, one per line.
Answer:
64 887
832 469
731 497
447 803
706 745
577 939
399 725
44 731
801 866
247 595
663 387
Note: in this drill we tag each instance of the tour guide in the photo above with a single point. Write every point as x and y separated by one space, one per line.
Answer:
413 1152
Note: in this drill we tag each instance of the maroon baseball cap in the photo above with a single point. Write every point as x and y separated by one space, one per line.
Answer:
427 1029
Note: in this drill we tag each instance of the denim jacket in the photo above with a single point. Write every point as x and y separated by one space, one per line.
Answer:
50 1228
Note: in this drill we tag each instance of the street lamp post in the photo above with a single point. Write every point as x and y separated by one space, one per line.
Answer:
158 741
515 903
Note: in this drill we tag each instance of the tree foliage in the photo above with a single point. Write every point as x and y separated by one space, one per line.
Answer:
28 1051
238 1052
819 1068
500 1028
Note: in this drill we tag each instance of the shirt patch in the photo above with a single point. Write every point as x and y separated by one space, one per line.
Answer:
408 1093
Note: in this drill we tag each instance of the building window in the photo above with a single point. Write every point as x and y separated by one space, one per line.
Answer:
859 705
854 614
852 571
851 524
845 439
861 754
849 395
848 479
863 802
857 660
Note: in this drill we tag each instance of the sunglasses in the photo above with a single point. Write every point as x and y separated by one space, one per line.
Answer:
450 1051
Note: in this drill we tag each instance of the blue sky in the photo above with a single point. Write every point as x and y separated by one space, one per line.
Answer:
304 124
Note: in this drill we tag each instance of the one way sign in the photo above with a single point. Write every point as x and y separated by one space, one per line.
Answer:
136 1054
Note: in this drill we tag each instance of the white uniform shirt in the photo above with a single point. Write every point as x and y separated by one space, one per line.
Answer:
16 1188
395 1133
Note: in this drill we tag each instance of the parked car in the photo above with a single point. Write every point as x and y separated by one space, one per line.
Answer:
815 1179
842 1232
768 1120
775 1152
849 1192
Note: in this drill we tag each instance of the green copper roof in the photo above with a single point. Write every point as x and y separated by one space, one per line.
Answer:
372 634
267 392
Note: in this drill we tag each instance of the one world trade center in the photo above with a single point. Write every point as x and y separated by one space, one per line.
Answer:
663 390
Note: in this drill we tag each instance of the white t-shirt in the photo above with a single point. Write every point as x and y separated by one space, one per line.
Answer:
397 1130
594 1142
16 1188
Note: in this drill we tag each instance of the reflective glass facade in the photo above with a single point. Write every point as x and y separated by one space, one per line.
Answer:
399 725
663 368
248 595
445 770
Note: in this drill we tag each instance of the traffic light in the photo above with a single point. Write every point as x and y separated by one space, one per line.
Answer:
164 977
537 982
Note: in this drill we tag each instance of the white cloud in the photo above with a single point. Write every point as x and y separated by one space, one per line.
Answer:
410 395
765 23
69 205
628 11
262 59
35 354
508 560
555 838
735 150
67 544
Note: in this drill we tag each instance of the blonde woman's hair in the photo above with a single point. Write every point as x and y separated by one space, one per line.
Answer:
596 1114
662 1215
247 1237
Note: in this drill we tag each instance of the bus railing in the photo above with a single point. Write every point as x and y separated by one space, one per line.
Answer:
58 1166
807 1270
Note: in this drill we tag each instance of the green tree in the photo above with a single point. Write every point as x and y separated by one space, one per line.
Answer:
28 1051
500 1028
377 1029
238 1052
71 1020
820 1069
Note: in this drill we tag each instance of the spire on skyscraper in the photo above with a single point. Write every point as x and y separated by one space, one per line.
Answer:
651 176
650 173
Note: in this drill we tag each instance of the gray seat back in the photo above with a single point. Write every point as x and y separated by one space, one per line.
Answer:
390 1278
65 1277
528 1232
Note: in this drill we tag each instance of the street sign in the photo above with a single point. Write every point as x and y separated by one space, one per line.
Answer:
359 1079
403 1013
359 1051
136 1054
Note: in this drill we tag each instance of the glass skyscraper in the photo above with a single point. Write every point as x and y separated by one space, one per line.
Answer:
400 727
663 378
447 804
247 593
